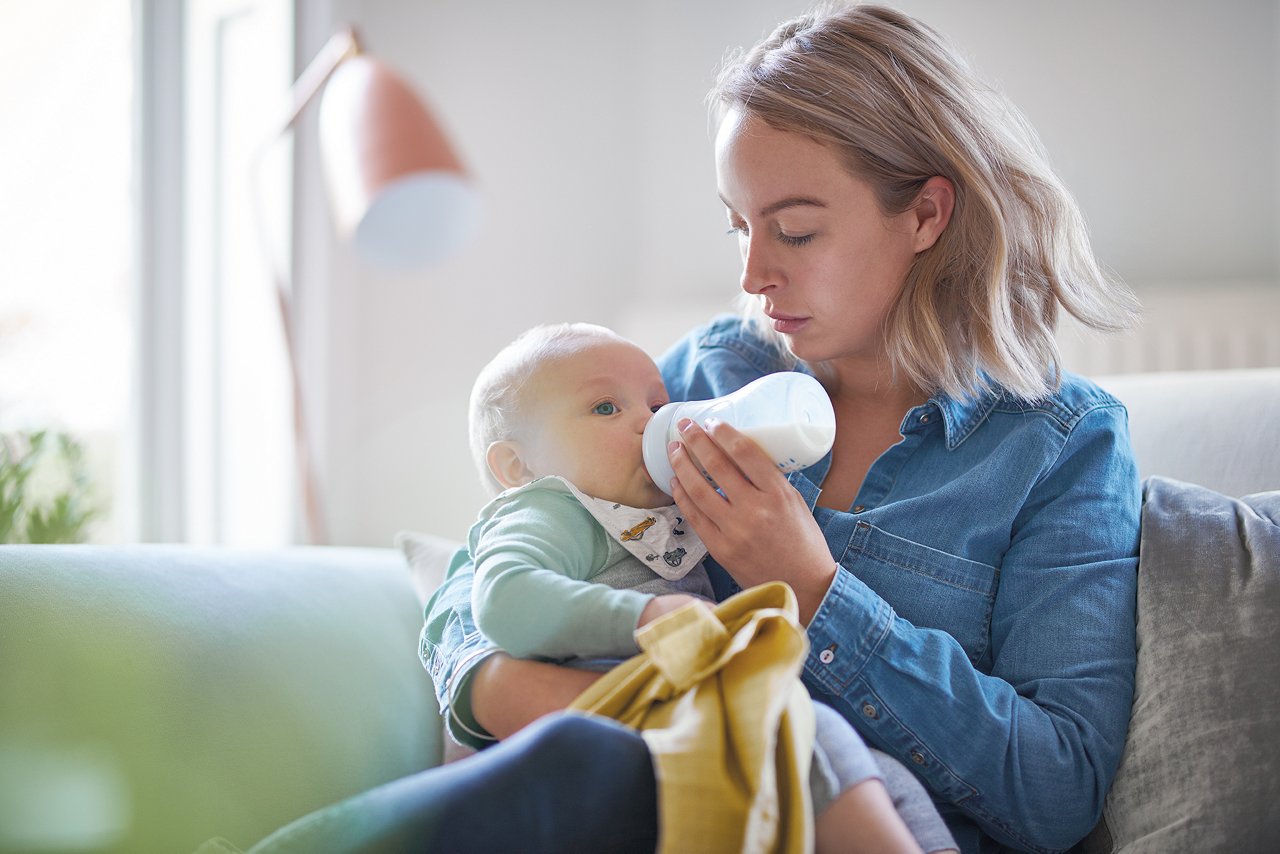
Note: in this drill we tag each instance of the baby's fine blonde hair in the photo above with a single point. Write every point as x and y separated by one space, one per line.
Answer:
899 106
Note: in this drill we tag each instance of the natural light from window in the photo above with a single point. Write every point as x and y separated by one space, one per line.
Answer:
66 269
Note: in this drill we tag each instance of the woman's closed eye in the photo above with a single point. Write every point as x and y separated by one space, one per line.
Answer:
794 239
741 230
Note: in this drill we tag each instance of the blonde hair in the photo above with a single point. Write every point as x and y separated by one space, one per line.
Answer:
498 409
900 106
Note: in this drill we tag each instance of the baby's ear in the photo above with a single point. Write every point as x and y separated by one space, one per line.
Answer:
506 462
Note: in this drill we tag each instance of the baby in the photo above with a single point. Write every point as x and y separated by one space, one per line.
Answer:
580 548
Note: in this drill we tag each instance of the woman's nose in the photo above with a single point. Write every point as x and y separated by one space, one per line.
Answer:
758 272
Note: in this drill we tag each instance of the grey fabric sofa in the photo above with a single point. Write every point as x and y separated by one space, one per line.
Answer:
155 697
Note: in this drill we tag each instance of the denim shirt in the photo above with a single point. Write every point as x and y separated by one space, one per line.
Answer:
981 624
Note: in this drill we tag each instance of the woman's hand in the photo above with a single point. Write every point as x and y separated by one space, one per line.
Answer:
760 529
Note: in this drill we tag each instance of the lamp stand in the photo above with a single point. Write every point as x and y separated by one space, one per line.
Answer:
339 48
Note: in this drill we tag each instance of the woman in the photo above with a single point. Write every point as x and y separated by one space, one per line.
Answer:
965 559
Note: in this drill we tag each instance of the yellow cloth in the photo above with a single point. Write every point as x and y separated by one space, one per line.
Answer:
718 699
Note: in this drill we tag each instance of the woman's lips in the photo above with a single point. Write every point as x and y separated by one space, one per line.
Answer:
785 325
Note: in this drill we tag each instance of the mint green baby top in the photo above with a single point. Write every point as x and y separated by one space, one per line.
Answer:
552 582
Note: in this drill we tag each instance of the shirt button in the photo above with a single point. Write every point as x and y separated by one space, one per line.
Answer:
859 508
917 757
924 419
826 656
869 710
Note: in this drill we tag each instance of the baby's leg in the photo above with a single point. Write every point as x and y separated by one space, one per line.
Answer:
860 798
853 810
914 805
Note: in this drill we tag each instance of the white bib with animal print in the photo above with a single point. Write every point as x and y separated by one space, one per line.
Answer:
657 535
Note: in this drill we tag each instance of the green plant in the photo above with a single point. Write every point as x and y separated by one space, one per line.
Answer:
44 489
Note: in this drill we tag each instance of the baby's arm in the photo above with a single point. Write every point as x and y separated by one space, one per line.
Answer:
533 596
660 606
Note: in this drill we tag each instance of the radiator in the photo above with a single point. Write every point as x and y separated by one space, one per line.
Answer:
1184 328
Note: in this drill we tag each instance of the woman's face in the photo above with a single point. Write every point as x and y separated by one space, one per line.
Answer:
824 262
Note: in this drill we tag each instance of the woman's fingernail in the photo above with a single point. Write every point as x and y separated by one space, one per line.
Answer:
674 484
671 447
683 424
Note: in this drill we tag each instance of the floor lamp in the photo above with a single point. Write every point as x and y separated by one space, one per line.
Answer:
396 188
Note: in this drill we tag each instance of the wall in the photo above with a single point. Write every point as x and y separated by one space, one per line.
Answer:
585 127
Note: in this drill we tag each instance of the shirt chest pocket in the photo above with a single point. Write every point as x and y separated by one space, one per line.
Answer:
925 586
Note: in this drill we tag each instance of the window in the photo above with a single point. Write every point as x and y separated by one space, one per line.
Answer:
214 453
238 463
138 311
66 302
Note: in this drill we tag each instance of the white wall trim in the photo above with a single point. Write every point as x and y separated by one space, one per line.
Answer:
312 251
158 248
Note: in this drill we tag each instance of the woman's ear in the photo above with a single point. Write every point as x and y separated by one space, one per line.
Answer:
506 463
932 211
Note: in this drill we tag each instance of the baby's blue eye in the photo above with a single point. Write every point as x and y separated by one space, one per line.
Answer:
606 408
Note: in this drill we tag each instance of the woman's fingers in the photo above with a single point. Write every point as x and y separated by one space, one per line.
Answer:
760 529
693 512
747 456
740 469
702 467
733 460
688 465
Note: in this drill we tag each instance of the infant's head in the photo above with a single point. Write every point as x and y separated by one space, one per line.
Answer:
571 400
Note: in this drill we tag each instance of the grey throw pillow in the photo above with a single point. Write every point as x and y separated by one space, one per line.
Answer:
1201 770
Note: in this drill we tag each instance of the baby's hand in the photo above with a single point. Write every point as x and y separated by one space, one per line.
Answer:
660 606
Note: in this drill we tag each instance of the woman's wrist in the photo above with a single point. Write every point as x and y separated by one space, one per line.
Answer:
484 682
813 590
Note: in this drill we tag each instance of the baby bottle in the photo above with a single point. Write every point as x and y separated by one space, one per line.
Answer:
788 414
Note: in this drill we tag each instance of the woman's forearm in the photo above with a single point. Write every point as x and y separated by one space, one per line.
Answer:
508 694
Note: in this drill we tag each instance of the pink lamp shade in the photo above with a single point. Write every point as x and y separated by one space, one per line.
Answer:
397 189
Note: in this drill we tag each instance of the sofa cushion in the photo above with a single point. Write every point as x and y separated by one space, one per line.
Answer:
428 557
1201 770
153 697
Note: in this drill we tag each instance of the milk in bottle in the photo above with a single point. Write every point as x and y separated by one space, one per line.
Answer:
788 414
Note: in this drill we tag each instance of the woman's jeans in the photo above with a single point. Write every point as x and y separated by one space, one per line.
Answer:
566 783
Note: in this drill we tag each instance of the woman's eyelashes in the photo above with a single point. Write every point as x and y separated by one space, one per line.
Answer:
742 230
794 240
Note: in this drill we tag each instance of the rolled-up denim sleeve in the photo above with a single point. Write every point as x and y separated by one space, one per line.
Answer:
451 647
1028 749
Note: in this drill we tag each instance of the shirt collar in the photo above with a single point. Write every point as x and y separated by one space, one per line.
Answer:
961 416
